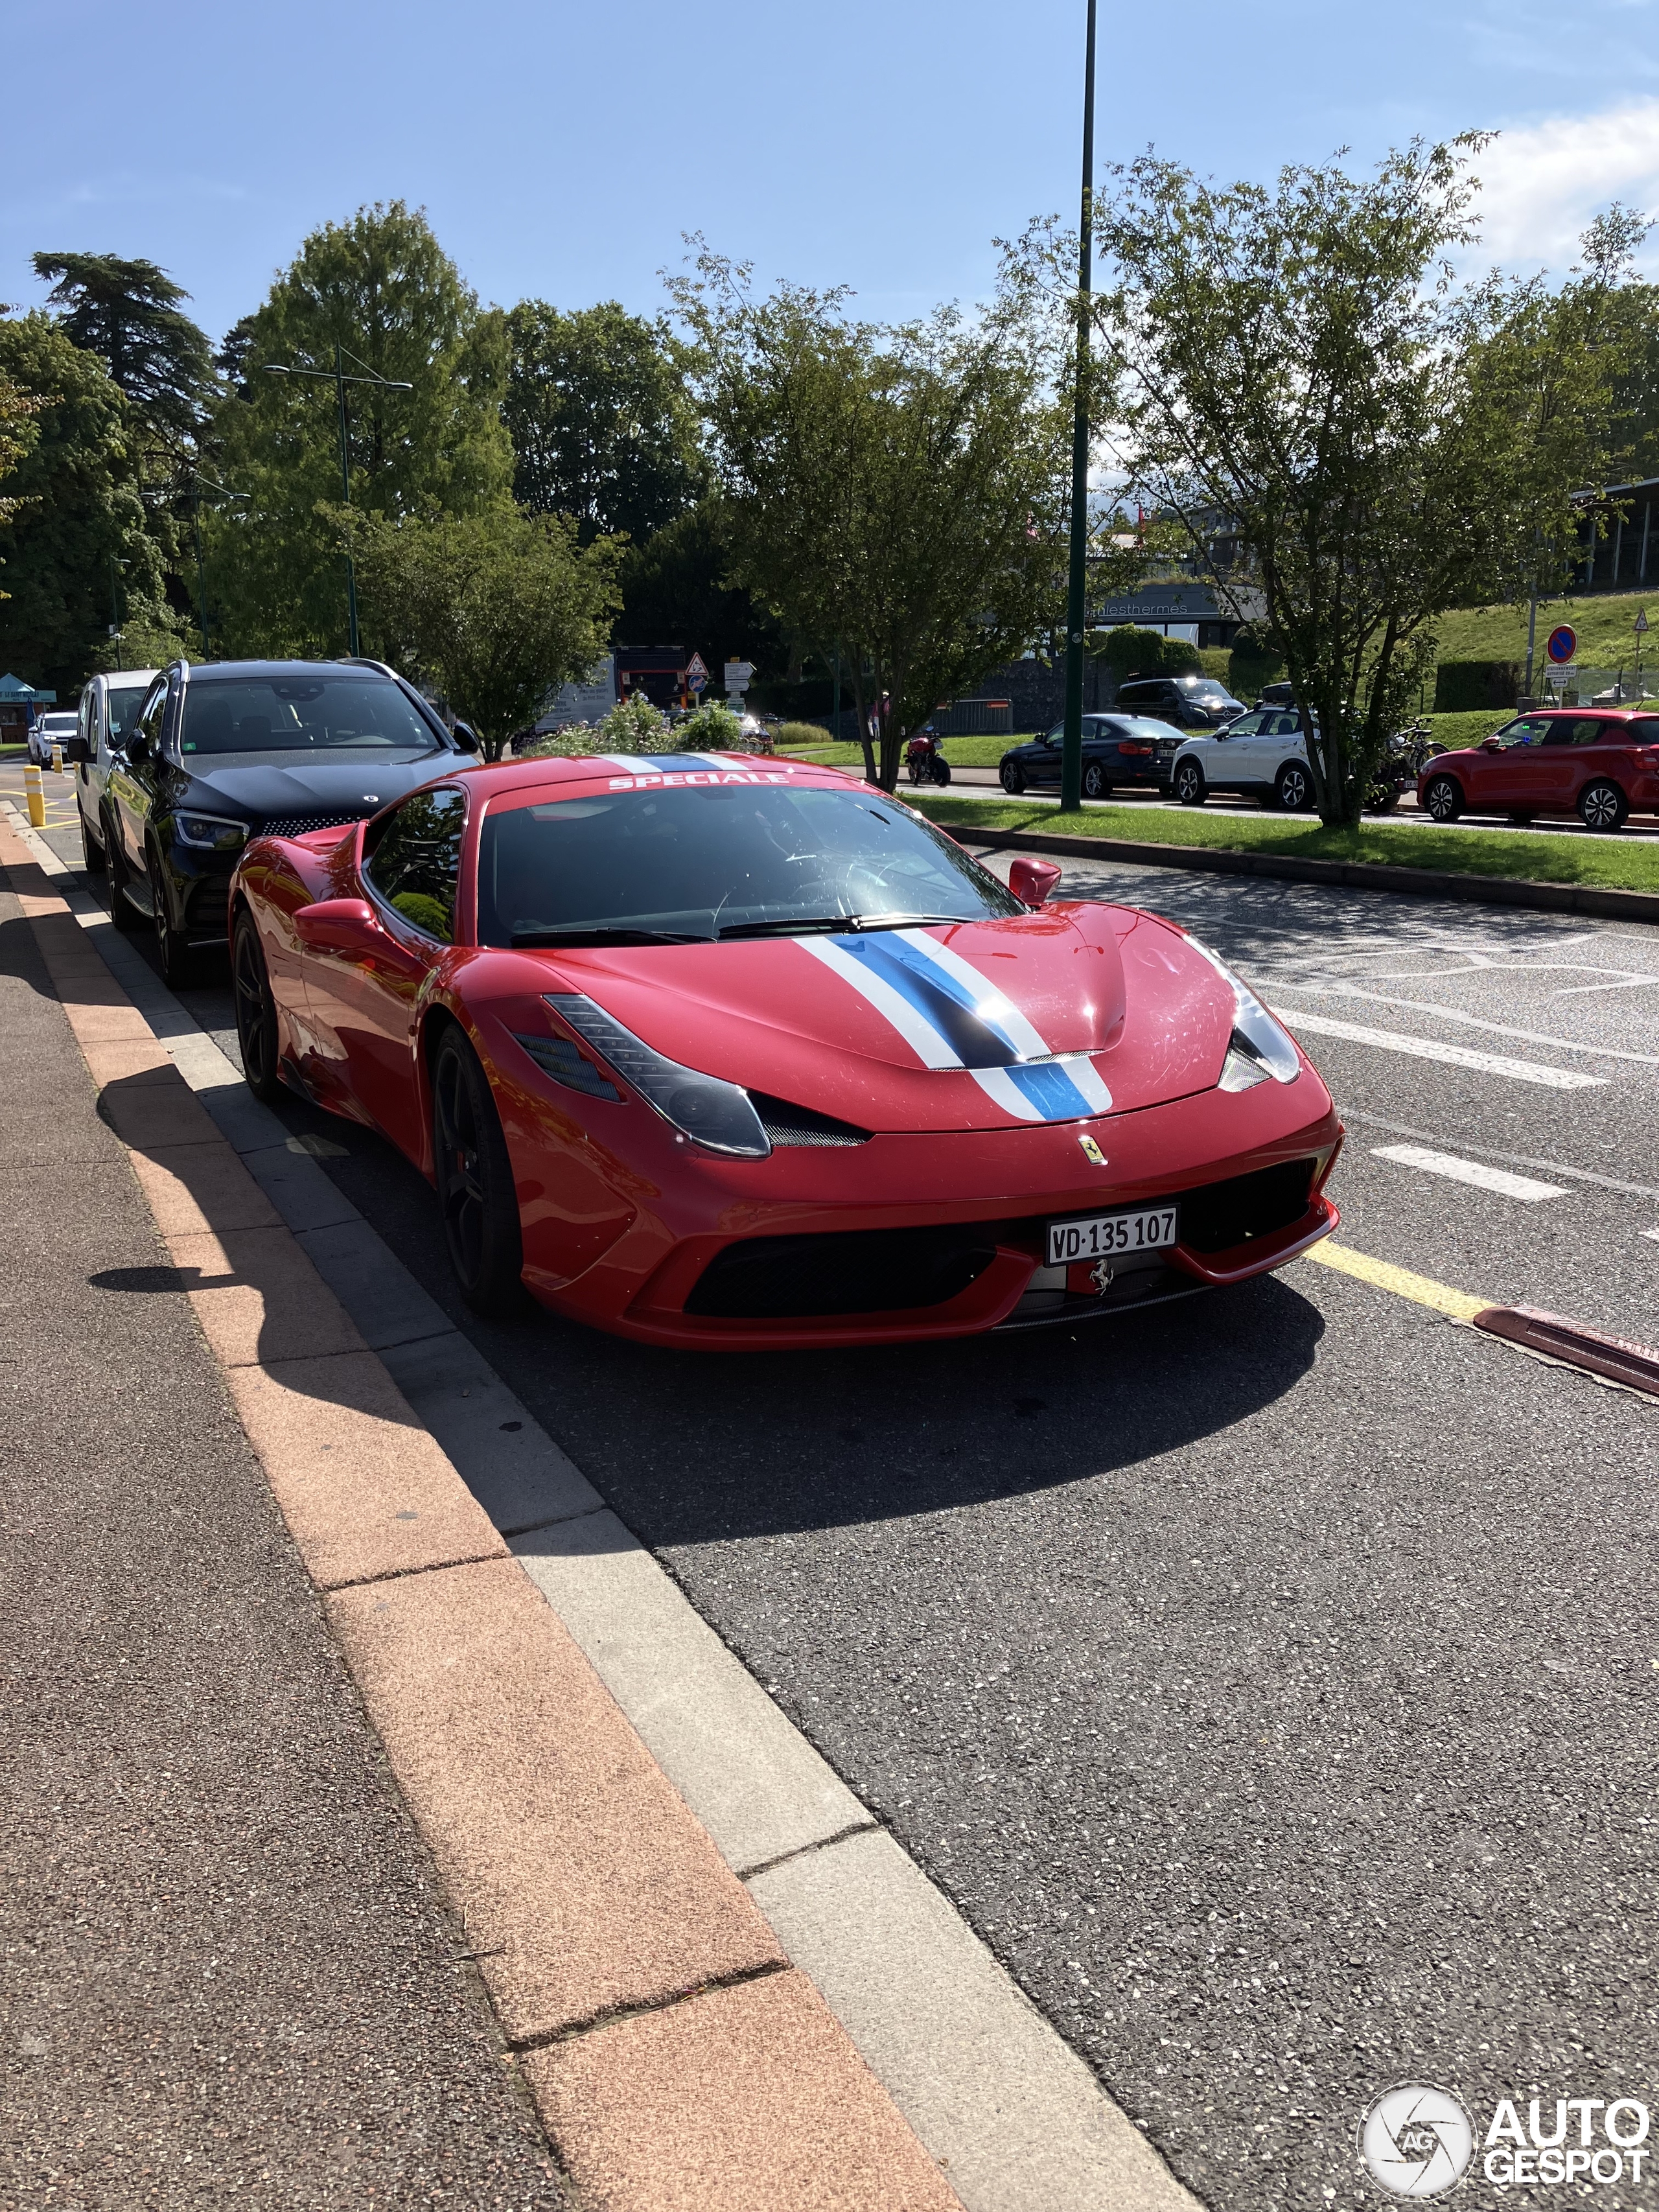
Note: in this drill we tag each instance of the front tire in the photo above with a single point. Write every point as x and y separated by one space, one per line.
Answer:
1293 788
941 771
93 858
1012 778
1444 800
256 1010
477 1199
1190 788
1603 806
171 945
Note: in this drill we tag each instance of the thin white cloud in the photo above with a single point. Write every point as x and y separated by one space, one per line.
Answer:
1542 182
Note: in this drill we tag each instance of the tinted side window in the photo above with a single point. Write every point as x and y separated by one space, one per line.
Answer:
416 861
1600 733
1530 731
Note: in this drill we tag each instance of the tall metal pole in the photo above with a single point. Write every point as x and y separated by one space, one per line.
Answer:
835 696
201 575
345 494
1071 757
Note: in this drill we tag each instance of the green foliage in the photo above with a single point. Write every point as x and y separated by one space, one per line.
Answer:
494 611
75 511
634 726
1467 729
380 287
602 426
710 728
1606 624
800 733
128 314
899 489
1296 357
18 435
676 590
1131 651
1462 685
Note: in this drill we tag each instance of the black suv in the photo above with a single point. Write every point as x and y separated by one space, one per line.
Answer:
1187 702
239 749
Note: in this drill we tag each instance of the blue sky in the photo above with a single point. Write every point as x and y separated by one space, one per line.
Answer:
560 150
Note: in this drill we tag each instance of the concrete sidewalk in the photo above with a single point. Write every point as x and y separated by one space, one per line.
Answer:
237 1963
227 1972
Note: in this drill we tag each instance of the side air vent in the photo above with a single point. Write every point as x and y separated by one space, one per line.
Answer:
799 1125
561 1059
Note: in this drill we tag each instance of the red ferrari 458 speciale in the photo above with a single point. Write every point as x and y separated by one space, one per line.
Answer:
716 1050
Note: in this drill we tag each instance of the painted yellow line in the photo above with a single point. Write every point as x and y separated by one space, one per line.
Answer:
1422 1289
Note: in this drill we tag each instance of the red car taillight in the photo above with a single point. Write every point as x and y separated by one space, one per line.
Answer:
1133 747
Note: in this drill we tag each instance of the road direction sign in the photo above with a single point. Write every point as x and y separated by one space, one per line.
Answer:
1564 644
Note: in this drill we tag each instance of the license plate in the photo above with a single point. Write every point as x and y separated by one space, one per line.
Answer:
1103 1236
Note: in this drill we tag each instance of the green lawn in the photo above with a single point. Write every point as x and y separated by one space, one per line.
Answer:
1533 857
1605 624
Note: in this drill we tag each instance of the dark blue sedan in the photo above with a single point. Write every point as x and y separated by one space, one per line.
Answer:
1117 748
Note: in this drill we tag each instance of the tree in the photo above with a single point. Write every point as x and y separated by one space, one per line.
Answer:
675 590
602 426
75 549
900 491
381 286
1391 443
127 313
493 610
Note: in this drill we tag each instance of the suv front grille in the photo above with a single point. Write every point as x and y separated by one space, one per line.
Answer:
298 825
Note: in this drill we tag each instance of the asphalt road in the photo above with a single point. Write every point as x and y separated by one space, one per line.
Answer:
1270 1678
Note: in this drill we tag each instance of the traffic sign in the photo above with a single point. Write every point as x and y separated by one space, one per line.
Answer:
1641 624
1564 644
696 673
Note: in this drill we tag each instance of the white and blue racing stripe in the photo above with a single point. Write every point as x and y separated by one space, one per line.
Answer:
665 763
952 1016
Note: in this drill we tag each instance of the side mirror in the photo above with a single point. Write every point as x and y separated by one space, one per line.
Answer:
1490 745
1032 882
137 749
77 750
467 738
341 925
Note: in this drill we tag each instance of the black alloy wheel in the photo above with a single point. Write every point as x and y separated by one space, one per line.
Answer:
1012 778
171 945
1189 785
93 858
1293 788
1444 800
256 1010
1095 784
123 913
1603 806
474 1175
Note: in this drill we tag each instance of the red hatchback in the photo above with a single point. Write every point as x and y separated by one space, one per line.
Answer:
1599 764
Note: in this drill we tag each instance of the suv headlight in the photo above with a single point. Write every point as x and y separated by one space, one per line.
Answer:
712 1113
1260 1048
209 833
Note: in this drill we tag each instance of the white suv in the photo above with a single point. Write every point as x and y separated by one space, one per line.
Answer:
1263 755
109 707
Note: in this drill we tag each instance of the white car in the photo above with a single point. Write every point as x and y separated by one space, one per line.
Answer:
47 730
109 707
1263 755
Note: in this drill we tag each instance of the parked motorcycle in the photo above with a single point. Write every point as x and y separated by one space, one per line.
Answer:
924 759
1408 750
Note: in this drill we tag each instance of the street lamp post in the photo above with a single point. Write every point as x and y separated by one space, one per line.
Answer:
337 377
1071 755
215 491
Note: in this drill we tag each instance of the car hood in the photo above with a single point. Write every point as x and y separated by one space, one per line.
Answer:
261 785
1053 1016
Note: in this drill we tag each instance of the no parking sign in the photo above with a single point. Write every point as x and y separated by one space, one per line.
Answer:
1564 644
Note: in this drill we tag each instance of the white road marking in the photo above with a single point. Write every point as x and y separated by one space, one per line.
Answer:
1477 1172
1652 1233
1351 1113
1467 1021
1454 1055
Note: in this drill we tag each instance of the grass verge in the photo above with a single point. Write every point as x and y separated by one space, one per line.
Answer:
1530 858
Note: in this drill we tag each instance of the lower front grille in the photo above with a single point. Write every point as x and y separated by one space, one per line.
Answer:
209 909
300 825
844 1272
1223 1214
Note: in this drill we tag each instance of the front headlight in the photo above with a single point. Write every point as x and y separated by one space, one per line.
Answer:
1258 1046
209 833
710 1112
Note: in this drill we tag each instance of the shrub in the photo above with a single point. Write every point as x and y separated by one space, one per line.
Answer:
1131 651
1462 686
800 733
708 729
634 726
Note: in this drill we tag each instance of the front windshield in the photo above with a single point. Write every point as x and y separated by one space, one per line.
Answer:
312 711
715 861
123 704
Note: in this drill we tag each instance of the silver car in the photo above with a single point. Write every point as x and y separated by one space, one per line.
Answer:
47 730
109 707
